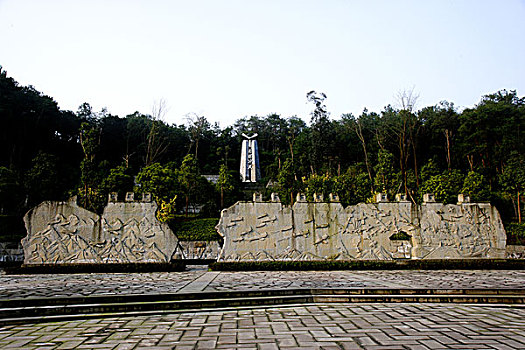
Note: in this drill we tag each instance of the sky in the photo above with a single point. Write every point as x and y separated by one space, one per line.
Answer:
228 59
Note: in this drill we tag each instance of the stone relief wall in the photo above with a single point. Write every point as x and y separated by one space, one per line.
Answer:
515 252
380 231
127 232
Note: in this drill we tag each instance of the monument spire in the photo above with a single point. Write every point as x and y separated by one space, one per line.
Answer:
250 171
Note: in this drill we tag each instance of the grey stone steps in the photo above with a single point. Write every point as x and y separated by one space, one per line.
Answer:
151 305
422 298
421 291
130 298
194 295
49 309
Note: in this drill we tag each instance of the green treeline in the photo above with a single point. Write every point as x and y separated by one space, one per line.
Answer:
50 154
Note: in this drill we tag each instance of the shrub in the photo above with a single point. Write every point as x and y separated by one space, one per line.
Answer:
196 229
174 265
515 233
322 265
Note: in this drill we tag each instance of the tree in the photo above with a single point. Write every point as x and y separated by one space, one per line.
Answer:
225 182
476 187
512 180
10 191
42 147
385 175
318 184
445 186
361 194
90 197
429 169
160 181
403 125
356 125
407 99
114 135
189 174
156 143
492 131
276 129
353 186
287 181
42 180
197 125
85 111
163 183
119 180
295 127
440 129
322 135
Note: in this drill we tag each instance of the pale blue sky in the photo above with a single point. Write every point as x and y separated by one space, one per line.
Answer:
230 59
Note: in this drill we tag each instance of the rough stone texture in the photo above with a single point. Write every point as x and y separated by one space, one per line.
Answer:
380 231
11 251
63 232
515 252
198 249
469 230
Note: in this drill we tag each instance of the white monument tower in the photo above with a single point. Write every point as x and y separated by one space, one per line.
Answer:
250 171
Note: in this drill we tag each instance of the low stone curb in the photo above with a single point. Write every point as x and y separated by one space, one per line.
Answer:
20 311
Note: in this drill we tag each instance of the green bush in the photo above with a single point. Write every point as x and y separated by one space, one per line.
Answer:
445 264
515 233
196 229
400 236
175 265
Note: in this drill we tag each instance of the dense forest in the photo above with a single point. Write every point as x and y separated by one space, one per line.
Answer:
48 154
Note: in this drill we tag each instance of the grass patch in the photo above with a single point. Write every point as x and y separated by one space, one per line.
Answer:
400 236
196 229
173 266
318 265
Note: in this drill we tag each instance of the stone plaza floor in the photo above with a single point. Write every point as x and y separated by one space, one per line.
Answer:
302 326
196 280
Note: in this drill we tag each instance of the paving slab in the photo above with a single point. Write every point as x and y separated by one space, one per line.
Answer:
320 326
32 286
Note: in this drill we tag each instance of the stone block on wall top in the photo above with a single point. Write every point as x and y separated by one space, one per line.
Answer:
275 197
429 198
463 198
301 197
113 197
334 197
146 197
318 197
381 197
257 197
130 197
401 197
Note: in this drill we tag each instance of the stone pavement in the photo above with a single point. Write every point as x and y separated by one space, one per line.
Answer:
305 326
323 326
28 286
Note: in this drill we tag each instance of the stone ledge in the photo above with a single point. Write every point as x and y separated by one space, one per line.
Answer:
55 309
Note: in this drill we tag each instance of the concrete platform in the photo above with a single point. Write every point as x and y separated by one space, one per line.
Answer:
265 310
